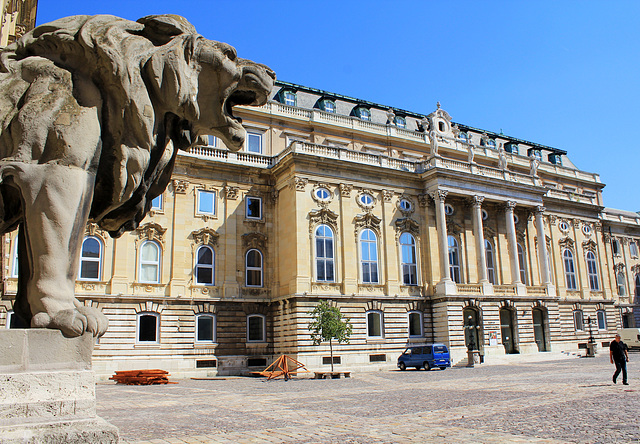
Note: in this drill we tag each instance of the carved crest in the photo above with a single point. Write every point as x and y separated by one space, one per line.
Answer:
567 242
92 229
231 193
151 231
619 267
323 216
589 245
205 236
407 224
367 220
254 240
423 200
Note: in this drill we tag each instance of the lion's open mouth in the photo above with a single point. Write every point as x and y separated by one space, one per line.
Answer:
239 98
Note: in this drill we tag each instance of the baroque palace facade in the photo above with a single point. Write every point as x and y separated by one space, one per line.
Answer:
419 229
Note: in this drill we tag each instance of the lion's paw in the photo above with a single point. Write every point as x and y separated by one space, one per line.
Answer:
73 322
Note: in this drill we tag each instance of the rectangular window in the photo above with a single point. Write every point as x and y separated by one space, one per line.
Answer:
156 204
207 202
255 328
212 141
377 358
206 363
205 328
326 360
633 249
254 208
254 143
415 324
290 99
374 324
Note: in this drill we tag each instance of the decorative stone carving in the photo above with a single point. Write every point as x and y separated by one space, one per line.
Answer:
151 231
92 229
98 108
366 207
502 160
299 183
254 240
433 140
470 153
367 220
274 195
205 236
589 245
619 268
345 189
390 116
230 193
476 201
439 195
323 216
533 166
567 242
407 225
180 186
387 195
423 200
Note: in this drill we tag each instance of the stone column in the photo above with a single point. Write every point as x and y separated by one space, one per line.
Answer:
513 243
543 256
478 233
441 226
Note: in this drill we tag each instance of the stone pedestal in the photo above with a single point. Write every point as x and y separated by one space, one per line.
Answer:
47 390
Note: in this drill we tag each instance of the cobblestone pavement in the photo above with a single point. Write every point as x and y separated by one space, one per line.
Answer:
566 400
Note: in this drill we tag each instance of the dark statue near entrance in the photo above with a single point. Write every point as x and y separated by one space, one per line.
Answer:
93 111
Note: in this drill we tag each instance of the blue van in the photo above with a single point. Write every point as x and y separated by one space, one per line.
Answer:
427 356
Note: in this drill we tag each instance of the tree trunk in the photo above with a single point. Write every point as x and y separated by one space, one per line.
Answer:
331 348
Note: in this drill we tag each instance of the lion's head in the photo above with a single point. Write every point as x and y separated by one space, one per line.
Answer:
162 85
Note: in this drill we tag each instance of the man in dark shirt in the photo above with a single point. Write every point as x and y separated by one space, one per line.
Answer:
619 356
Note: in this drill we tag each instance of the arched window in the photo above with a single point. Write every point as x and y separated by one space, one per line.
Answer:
592 271
415 324
149 271
578 320
324 254
369 256
256 328
622 285
569 270
409 259
148 327
375 324
90 259
637 285
205 265
15 265
602 320
205 328
522 265
454 259
490 258
253 268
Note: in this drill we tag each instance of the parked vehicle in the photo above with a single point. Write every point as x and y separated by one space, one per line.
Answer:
630 336
427 356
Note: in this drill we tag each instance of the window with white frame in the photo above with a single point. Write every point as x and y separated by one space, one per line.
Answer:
592 271
206 202
375 325
205 328
578 320
90 259
253 268
212 141
328 106
409 259
324 254
254 142
400 122
622 285
454 259
15 266
149 263
491 272
415 324
256 328
569 270
602 320
156 203
253 207
205 265
148 327
290 98
369 256
633 248
615 246
522 265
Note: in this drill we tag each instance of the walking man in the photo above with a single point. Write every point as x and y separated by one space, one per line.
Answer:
618 355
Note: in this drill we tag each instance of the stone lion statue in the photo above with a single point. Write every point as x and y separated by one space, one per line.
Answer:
93 110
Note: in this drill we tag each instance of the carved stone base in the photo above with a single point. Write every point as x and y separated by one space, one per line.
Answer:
47 389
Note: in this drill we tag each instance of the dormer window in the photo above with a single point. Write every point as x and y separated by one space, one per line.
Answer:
491 143
511 148
362 112
535 153
441 127
400 122
288 97
462 136
327 105
555 159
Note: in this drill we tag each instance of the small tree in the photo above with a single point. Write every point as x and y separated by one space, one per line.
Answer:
327 324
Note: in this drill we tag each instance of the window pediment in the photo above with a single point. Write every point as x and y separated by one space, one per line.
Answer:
254 240
151 231
408 225
567 242
367 220
205 236
323 216
589 245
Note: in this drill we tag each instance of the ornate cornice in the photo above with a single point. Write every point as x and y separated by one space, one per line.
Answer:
205 236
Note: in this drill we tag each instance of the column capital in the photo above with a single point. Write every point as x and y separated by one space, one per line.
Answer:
510 205
439 195
476 201
540 209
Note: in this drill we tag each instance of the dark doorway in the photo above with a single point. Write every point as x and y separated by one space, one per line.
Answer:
472 333
539 328
507 330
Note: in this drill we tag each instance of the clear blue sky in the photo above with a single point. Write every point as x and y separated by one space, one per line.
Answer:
559 73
